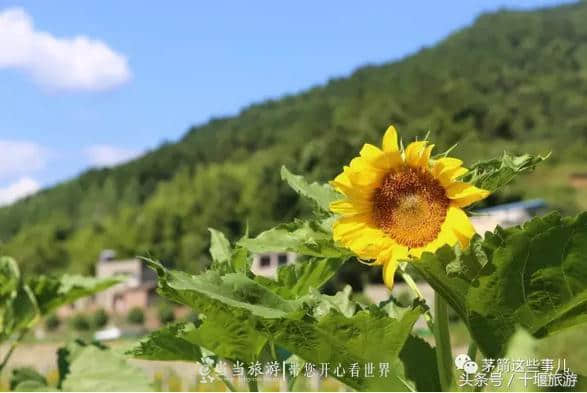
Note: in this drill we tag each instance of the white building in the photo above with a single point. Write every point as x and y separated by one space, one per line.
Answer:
505 215
266 264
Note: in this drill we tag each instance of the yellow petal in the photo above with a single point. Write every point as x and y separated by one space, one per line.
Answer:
425 158
390 140
346 226
445 163
344 184
379 159
464 194
362 173
389 272
414 152
460 225
349 206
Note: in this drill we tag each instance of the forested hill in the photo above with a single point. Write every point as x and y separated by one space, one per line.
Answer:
513 80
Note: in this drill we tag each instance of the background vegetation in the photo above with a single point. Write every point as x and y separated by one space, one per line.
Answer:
513 80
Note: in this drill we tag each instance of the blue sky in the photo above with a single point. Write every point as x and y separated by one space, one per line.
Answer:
94 83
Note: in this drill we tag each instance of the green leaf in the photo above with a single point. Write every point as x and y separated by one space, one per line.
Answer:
369 336
95 368
521 345
18 307
303 237
235 290
26 374
493 174
220 249
224 258
168 343
52 292
228 304
534 275
298 279
33 386
419 360
320 194
9 277
341 302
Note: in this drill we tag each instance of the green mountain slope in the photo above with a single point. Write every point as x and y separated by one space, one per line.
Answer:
513 80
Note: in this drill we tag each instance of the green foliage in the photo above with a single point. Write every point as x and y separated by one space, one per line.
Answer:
300 278
320 194
18 306
419 360
136 316
99 318
312 238
166 314
534 275
244 317
52 292
493 174
52 322
171 342
90 368
80 322
26 377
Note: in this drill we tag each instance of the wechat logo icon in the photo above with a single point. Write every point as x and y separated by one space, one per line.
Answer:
464 362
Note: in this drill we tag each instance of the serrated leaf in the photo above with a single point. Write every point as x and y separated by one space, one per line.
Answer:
225 259
239 309
52 292
303 237
299 278
96 368
320 194
340 301
419 360
534 275
369 336
493 174
235 290
168 343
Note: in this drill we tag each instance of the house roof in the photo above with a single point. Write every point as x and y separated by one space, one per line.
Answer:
531 204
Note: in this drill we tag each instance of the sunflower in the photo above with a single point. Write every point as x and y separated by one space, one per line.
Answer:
400 204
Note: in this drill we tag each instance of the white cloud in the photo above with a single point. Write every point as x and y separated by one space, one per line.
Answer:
105 155
20 157
78 63
23 187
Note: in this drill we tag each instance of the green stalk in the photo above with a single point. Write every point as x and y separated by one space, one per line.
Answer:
414 287
472 351
443 347
252 384
11 350
228 384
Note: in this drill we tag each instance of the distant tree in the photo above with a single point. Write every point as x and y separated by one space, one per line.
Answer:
166 314
52 322
80 322
136 316
100 318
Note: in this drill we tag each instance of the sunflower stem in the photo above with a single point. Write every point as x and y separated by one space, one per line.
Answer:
443 347
414 287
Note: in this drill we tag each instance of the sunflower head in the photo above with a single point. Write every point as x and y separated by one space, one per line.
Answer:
401 203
